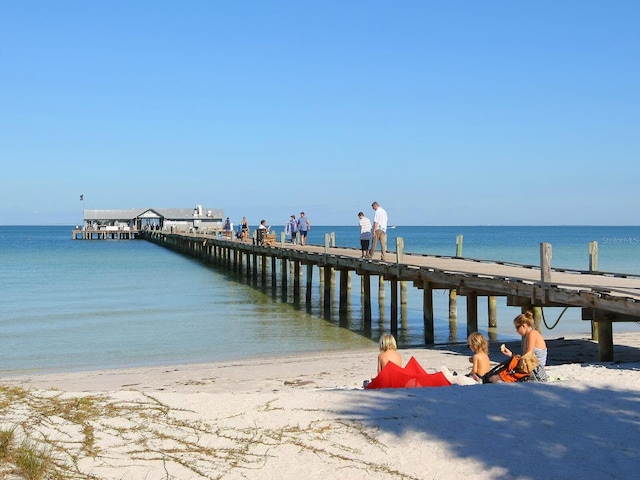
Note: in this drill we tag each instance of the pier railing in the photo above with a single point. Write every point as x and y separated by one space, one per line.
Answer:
603 297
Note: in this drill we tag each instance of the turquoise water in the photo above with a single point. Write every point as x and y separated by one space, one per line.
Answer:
73 305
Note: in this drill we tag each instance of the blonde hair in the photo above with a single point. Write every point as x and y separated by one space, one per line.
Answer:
524 319
527 363
478 343
387 342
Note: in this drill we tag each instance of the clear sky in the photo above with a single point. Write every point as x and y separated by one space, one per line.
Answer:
445 112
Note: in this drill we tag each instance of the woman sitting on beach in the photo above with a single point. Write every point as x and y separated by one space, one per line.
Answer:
532 339
388 352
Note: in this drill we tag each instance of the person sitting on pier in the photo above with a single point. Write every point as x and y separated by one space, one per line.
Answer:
262 232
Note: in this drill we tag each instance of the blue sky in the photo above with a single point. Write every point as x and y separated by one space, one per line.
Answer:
445 112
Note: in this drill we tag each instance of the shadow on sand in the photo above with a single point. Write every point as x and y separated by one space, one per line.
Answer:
560 429
561 351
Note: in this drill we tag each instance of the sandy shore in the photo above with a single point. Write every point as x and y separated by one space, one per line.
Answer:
308 416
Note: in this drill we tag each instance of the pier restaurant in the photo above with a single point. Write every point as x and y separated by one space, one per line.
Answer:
118 224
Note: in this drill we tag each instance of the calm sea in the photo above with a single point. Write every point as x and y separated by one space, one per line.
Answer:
75 305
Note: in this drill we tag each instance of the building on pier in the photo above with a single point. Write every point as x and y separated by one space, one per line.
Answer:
176 219
127 224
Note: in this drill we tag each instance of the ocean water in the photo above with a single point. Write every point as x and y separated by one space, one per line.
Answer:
75 305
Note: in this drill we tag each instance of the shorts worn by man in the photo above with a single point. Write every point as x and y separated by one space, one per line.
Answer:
379 230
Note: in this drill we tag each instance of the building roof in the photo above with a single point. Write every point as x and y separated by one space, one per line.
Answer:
166 213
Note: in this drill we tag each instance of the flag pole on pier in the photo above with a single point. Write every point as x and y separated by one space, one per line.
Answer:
82 200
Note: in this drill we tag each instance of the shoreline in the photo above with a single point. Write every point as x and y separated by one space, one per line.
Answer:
562 350
308 416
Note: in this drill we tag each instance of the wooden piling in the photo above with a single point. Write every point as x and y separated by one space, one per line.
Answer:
472 313
492 317
427 313
394 307
593 267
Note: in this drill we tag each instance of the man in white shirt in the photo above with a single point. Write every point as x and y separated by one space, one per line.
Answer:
379 230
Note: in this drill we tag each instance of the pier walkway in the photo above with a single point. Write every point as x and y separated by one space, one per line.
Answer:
603 297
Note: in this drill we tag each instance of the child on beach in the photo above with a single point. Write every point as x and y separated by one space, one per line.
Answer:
388 352
480 360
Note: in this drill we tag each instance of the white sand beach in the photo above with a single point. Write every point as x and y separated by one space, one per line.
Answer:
308 417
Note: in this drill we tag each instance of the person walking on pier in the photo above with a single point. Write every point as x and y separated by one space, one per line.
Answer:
245 229
379 230
291 229
304 225
365 234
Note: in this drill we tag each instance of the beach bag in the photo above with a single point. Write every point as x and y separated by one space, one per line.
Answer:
518 368
520 372
486 378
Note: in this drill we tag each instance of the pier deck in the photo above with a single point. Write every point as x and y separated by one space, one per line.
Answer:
603 297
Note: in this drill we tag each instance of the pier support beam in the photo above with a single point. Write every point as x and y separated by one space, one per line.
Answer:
593 267
605 341
472 313
344 291
492 317
296 281
453 314
427 313
366 284
283 275
309 285
328 273
274 280
394 307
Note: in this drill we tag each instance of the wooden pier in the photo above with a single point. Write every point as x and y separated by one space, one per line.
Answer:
603 297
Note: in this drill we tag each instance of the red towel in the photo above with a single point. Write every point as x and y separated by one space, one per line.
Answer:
411 376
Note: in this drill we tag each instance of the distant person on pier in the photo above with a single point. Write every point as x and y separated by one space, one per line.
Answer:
291 229
244 225
227 228
365 234
262 232
379 230
304 225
